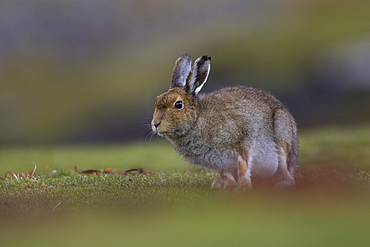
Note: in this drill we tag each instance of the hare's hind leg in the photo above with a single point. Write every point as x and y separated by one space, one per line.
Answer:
287 147
227 180
244 174
243 181
287 175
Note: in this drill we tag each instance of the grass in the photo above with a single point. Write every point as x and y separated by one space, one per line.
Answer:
151 155
60 206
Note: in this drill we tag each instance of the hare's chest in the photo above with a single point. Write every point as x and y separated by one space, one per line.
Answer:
202 154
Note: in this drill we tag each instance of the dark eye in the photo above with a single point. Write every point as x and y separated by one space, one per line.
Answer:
178 105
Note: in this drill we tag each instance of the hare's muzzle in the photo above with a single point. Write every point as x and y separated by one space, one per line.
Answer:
155 126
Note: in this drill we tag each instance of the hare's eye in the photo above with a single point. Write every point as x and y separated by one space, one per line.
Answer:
178 105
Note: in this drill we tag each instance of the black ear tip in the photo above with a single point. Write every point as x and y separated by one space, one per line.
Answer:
205 57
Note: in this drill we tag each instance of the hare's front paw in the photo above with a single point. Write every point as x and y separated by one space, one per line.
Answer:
227 181
284 185
218 184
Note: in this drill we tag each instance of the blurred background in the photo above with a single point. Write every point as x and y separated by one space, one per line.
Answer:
88 71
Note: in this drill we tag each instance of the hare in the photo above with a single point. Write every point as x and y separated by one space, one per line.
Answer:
240 132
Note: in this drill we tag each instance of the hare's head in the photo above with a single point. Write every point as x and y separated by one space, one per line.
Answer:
176 109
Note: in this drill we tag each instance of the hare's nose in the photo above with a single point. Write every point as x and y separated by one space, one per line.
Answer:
156 124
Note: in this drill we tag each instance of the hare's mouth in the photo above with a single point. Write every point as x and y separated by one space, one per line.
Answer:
164 134
169 134
160 133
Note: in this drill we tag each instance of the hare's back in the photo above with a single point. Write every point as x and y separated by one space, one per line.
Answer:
240 104
245 115
250 119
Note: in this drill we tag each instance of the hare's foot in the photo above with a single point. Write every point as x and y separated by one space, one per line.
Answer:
244 175
218 184
227 181
284 185
288 177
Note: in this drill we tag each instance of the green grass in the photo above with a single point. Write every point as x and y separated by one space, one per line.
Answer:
336 148
149 155
175 206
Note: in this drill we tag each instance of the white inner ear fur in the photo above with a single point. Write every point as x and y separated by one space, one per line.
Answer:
194 77
197 90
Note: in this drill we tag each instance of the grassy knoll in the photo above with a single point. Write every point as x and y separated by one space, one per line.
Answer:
174 206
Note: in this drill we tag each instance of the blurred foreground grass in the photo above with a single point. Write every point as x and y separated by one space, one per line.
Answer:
175 206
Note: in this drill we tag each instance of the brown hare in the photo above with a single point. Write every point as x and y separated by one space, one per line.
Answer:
240 132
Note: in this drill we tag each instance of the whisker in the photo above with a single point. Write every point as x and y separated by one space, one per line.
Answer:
150 135
144 130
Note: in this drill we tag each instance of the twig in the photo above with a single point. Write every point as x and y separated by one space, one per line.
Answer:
59 203
34 169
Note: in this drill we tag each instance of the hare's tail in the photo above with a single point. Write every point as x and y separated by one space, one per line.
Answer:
292 157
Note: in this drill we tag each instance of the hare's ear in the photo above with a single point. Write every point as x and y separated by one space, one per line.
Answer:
181 71
198 75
